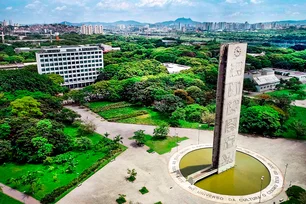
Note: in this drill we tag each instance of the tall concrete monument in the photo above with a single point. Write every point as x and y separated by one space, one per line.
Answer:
229 96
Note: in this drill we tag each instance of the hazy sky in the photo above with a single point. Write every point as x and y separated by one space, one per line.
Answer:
50 11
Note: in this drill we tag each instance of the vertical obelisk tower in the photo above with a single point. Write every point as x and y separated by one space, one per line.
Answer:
229 96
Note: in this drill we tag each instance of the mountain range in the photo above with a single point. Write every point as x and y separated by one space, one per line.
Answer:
183 21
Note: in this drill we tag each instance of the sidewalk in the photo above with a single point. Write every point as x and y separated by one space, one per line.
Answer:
18 195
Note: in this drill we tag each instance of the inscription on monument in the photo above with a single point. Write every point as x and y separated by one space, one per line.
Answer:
230 125
232 107
229 142
236 69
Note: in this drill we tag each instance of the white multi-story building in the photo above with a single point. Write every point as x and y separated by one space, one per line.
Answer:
86 29
78 65
89 29
98 29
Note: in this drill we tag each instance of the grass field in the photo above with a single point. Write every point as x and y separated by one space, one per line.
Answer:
54 175
163 146
5 199
288 92
149 117
299 115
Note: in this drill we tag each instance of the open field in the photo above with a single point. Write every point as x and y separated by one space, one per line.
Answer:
293 95
133 114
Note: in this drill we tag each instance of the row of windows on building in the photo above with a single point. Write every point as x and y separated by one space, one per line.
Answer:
70 63
70 54
79 79
266 87
69 58
79 75
69 70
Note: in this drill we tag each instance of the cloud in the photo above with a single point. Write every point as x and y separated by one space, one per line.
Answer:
256 1
60 8
296 13
162 3
33 5
234 1
72 2
116 5
8 8
235 14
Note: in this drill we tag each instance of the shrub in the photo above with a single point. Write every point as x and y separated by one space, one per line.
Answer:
59 159
83 143
121 199
112 106
161 132
144 190
294 191
132 175
174 123
5 130
86 129
168 103
132 115
5 151
178 114
259 119
194 112
139 137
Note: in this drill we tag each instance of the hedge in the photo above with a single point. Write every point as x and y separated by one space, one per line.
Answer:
126 116
51 197
112 106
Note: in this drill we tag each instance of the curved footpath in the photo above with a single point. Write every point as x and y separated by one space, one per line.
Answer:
17 195
152 169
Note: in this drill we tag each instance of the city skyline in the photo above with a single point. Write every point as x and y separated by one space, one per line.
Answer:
55 11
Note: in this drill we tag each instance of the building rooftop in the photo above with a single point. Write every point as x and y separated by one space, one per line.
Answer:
175 68
288 72
68 48
265 79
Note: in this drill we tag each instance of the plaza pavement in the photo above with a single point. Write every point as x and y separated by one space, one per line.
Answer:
105 185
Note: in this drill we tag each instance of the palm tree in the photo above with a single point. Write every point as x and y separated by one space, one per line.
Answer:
106 134
132 174
118 139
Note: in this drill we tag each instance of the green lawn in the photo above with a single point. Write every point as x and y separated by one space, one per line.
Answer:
99 104
83 159
151 117
163 146
288 92
193 125
299 115
5 199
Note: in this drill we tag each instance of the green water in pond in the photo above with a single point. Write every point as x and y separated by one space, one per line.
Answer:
243 179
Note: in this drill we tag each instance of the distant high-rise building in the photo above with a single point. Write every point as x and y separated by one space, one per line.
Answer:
247 26
89 29
98 29
4 23
10 22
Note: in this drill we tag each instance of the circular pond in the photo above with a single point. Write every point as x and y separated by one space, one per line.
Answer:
243 179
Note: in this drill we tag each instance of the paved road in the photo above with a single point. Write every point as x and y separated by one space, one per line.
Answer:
300 103
105 185
18 195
